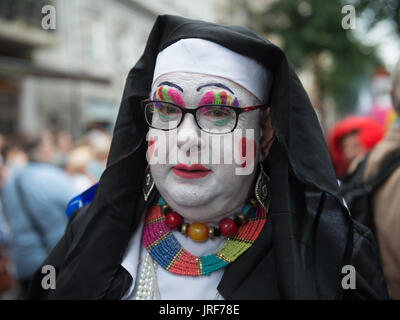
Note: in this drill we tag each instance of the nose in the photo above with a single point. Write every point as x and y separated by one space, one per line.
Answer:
188 135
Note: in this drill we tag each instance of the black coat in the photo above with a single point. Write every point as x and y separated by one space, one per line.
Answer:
308 237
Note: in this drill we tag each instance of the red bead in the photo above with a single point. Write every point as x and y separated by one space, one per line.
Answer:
172 220
228 227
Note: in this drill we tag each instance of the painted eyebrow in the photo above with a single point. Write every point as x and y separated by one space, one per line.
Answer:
170 84
219 85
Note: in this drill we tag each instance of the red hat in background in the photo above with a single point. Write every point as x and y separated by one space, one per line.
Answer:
369 132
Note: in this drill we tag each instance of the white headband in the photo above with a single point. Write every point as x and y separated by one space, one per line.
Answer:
206 57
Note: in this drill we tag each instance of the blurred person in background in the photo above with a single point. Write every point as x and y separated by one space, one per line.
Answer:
77 167
34 200
349 141
2 171
2 144
13 158
62 147
385 200
7 281
100 142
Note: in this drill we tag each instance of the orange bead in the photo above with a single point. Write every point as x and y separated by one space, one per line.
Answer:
198 231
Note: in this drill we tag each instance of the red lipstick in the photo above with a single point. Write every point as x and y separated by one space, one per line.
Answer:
193 171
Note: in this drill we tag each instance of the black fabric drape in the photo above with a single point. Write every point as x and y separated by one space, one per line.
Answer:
308 236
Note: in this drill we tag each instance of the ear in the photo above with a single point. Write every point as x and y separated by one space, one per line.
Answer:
267 134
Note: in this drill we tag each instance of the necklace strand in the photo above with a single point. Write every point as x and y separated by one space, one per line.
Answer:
148 287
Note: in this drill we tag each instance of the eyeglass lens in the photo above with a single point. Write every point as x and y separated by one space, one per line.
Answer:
210 118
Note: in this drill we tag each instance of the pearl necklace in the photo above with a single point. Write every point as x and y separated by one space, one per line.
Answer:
148 287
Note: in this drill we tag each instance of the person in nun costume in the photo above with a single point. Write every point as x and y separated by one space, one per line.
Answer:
187 229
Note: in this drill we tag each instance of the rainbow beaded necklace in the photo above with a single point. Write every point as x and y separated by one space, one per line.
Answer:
166 250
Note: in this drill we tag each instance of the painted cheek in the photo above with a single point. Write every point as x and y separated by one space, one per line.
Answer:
150 149
243 151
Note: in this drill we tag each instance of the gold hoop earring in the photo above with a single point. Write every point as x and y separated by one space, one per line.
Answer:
148 184
261 189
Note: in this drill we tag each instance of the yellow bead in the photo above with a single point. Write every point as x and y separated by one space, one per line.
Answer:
198 231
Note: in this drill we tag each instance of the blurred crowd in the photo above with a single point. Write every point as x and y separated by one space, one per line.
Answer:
39 174
365 152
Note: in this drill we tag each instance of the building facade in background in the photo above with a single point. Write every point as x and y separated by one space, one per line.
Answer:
72 78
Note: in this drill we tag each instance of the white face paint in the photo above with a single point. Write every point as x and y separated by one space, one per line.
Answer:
216 190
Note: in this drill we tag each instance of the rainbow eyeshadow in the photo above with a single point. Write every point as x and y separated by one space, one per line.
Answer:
219 97
168 95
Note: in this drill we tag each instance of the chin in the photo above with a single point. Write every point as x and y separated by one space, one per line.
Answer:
188 195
